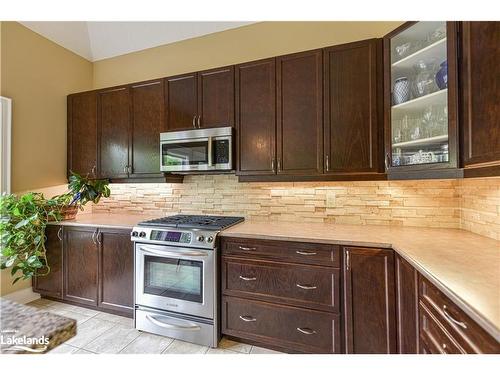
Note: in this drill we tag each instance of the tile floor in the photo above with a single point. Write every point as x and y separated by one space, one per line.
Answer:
99 333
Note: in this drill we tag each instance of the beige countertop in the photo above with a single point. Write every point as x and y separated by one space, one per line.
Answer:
463 265
124 221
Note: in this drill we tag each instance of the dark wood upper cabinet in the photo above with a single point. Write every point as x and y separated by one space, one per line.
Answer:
197 100
369 310
80 265
407 307
299 113
480 69
114 132
352 95
116 267
216 97
147 124
256 117
52 284
181 104
421 101
82 133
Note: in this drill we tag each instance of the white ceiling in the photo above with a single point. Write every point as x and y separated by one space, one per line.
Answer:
100 40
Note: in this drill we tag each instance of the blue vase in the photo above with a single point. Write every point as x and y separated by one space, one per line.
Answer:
442 76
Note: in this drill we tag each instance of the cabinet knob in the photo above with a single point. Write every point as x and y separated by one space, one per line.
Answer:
194 126
199 122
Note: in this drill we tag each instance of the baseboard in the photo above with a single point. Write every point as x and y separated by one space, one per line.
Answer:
22 296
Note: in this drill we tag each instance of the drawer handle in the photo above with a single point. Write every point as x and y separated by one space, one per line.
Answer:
248 278
306 252
451 319
247 248
307 287
306 331
248 318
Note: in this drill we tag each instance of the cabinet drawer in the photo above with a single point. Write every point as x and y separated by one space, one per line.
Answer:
309 286
433 335
299 252
290 328
463 329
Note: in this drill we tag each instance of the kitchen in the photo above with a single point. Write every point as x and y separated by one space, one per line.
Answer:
327 195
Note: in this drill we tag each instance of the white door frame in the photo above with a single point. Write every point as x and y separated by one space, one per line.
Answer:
5 143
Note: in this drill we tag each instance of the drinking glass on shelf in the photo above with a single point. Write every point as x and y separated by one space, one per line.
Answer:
424 83
442 120
437 34
396 131
415 129
405 129
402 50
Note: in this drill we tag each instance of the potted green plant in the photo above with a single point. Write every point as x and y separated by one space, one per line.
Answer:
23 220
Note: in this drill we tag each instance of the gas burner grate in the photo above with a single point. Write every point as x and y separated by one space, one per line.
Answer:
194 222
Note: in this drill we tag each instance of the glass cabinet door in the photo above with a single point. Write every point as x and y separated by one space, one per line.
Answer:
420 132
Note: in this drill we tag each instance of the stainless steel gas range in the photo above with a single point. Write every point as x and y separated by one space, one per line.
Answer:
176 276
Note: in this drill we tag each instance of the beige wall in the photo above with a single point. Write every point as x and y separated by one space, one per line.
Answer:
37 74
247 43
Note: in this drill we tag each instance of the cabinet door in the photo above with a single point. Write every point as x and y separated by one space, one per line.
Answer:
80 265
82 133
369 301
114 132
52 284
147 124
181 106
300 107
256 117
352 83
407 307
421 101
116 271
481 95
216 97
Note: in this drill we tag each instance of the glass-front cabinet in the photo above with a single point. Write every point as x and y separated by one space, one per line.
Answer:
420 98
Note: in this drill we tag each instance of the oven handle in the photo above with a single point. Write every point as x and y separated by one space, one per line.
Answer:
190 327
177 253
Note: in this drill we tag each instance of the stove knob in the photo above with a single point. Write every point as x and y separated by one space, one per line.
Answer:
200 238
210 239
142 234
134 234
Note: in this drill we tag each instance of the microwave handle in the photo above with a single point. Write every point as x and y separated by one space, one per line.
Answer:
210 162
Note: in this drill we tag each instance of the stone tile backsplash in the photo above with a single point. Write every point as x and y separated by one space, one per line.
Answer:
472 204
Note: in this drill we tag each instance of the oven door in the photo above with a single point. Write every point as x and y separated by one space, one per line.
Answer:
175 279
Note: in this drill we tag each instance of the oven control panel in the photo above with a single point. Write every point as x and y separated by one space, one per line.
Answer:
170 236
190 238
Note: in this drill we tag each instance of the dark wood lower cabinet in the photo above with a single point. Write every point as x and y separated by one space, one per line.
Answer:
407 307
293 329
446 328
93 267
369 308
116 269
80 265
51 285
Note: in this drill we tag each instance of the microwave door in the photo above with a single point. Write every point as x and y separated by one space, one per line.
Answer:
185 155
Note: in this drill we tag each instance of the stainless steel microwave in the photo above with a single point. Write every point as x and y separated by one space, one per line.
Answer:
197 150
